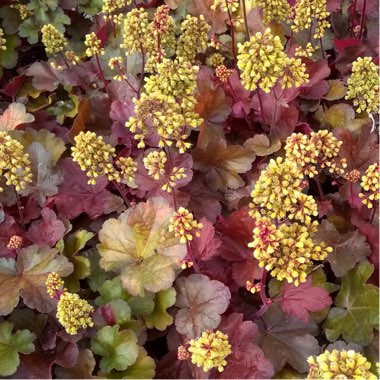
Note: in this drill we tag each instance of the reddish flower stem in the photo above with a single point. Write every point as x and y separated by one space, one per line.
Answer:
353 18
101 72
373 213
142 71
274 114
362 20
171 168
320 191
261 105
20 208
236 98
64 60
266 301
126 201
232 32
245 20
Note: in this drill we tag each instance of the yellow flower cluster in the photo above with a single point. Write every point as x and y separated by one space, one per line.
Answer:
305 12
155 162
53 40
262 61
128 169
71 57
54 284
15 166
93 45
175 175
183 353
160 115
210 350
371 185
110 7
183 224
294 74
74 313
339 365
15 242
94 156
317 150
222 73
287 251
274 10
225 5
363 85
353 176
277 190
194 37
22 10
3 41
307 51
135 31
215 60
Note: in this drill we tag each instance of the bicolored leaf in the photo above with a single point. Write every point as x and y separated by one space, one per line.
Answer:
25 277
138 245
14 116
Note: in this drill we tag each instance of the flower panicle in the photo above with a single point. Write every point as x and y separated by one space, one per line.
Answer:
184 226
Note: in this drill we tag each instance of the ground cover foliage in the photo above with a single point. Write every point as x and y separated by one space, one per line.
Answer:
189 189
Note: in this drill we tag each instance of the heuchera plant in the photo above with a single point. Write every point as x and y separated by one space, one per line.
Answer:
189 189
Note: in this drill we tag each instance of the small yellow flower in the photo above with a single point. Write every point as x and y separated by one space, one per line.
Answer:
22 10
54 284
294 74
353 176
135 31
277 189
175 175
71 57
363 85
307 51
194 37
339 365
74 313
114 6
304 209
183 224
94 156
215 60
274 10
287 251
128 169
210 350
261 61
15 165
3 41
93 45
53 40
226 5
155 162
371 186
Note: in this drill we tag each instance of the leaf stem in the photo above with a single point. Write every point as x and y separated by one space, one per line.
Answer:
261 104
101 72
353 18
142 71
118 188
373 213
232 32
266 301
362 20
320 191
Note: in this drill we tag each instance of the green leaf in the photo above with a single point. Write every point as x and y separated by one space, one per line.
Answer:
160 318
26 278
118 349
138 245
11 345
121 311
72 245
29 29
357 311
8 57
143 368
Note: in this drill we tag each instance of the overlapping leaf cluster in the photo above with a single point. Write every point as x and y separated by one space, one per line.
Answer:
133 136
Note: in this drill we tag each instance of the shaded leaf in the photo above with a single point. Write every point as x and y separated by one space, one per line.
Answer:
357 308
139 246
201 301
11 344
206 246
46 231
82 369
13 116
288 340
261 145
118 349
26 277
222 164
337 90
348 249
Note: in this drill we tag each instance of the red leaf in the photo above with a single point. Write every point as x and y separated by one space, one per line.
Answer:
206 246
46 231
344 43
13 87
76 196
302 299
8 228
